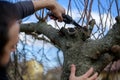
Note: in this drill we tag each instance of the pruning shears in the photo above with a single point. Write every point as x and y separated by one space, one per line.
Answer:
66 18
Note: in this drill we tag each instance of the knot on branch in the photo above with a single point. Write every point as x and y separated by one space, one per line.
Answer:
71 31
67 32
116 51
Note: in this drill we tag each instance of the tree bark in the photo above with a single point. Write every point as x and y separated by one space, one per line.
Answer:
78 49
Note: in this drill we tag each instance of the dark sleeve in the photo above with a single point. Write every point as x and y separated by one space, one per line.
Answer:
24 8
3 73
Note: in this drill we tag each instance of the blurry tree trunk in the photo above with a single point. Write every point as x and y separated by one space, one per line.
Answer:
78 49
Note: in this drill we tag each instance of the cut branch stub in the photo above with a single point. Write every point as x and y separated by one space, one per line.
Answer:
91 26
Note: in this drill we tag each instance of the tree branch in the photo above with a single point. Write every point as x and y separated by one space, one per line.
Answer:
44 28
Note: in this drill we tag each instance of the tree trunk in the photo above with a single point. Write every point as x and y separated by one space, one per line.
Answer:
78 49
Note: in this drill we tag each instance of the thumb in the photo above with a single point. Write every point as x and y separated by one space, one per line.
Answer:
73 69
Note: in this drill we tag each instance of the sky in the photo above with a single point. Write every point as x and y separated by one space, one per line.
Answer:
49 59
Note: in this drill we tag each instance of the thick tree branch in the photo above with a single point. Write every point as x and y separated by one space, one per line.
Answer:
43 28
77 48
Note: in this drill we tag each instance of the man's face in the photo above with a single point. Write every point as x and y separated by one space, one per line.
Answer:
11 45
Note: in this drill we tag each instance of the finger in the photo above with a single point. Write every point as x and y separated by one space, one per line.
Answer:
60 18
64 11
113 66
94 77
118 65
97 79
88 73
73 69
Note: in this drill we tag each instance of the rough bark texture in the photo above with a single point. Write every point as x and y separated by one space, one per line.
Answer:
78 49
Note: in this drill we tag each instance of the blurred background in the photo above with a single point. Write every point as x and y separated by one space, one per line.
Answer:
36 58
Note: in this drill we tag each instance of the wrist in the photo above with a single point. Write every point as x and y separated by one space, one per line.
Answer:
50 4
42 4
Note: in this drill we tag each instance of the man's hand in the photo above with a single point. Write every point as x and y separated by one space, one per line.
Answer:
86 76
57 9
52 5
